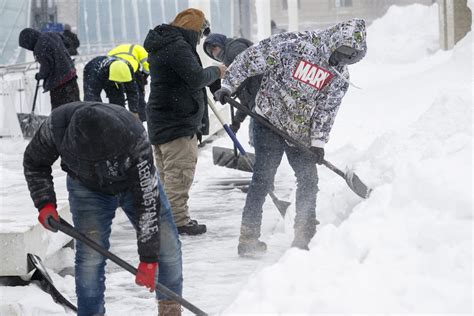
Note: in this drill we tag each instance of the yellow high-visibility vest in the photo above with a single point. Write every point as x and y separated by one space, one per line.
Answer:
134 54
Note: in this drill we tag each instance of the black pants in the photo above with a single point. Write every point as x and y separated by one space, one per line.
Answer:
68 92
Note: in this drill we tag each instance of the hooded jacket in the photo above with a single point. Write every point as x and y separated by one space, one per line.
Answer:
96 79
56 65
177 105
71 41
231 48
107 149
300 92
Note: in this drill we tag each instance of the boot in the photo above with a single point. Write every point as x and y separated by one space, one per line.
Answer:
249 245
169 308
251 248
300 243
303 236
192 228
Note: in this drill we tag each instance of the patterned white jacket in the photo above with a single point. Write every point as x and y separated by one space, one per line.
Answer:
300 92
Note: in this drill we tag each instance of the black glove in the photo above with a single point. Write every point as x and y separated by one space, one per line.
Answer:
235 126
38 76
221 94
318 154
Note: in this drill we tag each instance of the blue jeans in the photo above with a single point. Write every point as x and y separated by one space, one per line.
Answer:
269 149
92 214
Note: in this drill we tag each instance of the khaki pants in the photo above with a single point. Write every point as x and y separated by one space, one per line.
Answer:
176 162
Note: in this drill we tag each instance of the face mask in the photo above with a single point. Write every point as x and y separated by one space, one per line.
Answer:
345 55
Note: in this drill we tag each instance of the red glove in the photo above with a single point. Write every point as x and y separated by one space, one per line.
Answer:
48 211
146 275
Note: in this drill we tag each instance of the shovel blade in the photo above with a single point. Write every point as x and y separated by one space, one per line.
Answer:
225 157
30 123
356 185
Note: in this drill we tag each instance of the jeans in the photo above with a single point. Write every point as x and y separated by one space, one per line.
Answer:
92 214
269 149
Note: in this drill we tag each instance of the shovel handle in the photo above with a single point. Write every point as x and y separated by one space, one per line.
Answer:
68 229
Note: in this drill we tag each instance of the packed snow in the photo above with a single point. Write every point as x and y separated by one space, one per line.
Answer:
406 249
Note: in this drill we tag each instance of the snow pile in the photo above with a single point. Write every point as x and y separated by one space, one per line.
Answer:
407 249
404 34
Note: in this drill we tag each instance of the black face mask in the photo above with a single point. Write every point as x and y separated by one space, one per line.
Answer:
345 55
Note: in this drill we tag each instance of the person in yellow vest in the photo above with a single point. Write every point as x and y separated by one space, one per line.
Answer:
137 57
115 77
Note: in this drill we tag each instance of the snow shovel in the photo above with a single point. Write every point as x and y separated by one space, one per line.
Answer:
30 122
282 206
41 275
68 229
352 180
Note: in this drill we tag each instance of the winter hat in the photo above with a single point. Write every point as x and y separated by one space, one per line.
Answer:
119 71
190 19
28 38
67 27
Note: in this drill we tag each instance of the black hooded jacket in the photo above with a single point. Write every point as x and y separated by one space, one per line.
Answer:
177 105
71 41
96 79
107 149
247 91
56 65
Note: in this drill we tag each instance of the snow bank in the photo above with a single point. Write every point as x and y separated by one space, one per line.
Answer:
404 34
407 249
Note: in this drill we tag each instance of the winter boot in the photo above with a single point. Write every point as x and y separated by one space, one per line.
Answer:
192 228
303 236
169 308
251 248
249 245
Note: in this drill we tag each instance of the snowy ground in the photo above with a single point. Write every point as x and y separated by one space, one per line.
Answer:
407 249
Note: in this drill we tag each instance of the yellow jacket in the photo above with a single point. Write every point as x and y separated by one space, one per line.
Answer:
134 54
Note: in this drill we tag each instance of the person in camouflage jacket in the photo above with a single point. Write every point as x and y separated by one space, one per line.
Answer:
305 77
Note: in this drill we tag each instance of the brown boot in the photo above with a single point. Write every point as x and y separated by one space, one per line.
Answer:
169 308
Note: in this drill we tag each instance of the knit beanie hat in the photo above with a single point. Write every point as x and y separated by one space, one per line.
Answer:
189 19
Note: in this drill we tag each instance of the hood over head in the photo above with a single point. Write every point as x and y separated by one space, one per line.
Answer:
214 39
98 131
350 33
28 38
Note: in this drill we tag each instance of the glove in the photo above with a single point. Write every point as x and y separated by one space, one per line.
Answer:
48 211
38 76
235 126
146 275
318 154
221 94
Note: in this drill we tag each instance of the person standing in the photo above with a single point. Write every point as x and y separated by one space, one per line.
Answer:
177 108
71 40
305 77
137 57
56 66
115 77
109 163
225 50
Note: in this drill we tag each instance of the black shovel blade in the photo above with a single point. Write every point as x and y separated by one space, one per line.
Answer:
225 157
356 185
46 283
